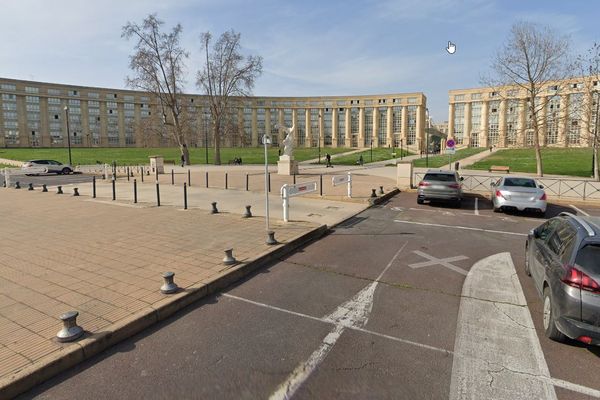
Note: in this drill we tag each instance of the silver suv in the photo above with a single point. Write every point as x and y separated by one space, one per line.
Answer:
563 258
439 184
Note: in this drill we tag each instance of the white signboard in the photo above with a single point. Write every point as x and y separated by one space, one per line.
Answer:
450 150
301 188
340 180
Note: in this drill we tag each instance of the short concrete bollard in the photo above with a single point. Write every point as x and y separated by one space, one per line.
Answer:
169 286
75 191
59 191
271 238
214 208
248 213
229 259
70 331
380 189
17 185
44 188
373 194
30 186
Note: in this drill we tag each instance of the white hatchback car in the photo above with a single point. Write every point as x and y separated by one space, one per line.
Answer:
45 166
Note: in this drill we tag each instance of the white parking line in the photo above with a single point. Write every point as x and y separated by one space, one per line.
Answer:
580 211
461 227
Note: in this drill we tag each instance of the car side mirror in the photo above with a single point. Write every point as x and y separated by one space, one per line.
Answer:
462 178
534 233
541 186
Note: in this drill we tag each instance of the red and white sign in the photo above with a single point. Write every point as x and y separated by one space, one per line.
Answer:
301 188
340 179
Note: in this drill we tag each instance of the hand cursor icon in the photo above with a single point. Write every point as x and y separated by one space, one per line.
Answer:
451 48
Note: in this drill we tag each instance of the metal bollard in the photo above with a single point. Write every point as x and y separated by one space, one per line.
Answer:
142 174
17 185
135 191
157 195
30 186
269 182
114 190
75 191
169 286
59 190
373 194
248 213
70 331
214 208
321 184
271 238
44 188
172 177
226 181
93 187
127 174
184 196
247 182
380 189
189 178
294 179
229 259
207 179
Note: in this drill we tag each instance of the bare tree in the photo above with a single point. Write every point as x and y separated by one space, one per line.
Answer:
588 65
158 64
226 74
533 59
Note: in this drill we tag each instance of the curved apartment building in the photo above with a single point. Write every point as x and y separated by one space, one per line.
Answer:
37 114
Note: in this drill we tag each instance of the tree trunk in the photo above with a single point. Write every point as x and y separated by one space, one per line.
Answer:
217 144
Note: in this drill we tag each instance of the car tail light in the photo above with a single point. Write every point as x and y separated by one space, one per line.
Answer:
585 339
576 278
543 196
424 184
499 194
454 186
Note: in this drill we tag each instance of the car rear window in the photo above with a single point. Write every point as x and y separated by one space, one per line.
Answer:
589 258
439 177
520 182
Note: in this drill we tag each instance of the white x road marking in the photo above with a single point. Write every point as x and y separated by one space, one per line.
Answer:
445 262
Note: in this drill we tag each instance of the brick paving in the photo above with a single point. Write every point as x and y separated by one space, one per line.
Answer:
61 253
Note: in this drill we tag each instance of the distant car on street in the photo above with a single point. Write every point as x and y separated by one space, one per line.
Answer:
32 167
442 185
563 258
518 193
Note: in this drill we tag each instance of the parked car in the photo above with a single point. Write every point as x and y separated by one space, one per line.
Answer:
563 258
45 166
518 193
440 184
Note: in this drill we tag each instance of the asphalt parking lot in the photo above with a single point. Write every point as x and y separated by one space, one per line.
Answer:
393 274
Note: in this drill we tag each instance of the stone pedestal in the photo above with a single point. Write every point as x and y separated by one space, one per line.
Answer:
404 172
287 166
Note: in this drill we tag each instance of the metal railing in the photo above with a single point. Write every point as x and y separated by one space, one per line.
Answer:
571 188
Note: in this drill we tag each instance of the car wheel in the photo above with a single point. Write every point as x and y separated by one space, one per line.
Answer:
420 201
527 270
65 171
542 214
549 319
458 203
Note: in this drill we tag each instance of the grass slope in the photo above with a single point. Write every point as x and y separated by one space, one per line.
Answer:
443 159
379 154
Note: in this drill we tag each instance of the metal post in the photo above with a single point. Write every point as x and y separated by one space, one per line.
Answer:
349 185
114 193
68 134
184 196
157 195
269 182
142 174
135 190
371 148
207 179
93 187
172 177
128 174
294 179
247 182
286 203
226 183
189 178
321 184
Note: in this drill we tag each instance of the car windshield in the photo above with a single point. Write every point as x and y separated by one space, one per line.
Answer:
519 182
439 177
589 258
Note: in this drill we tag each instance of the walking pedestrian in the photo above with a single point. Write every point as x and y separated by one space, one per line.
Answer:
328 160
182 160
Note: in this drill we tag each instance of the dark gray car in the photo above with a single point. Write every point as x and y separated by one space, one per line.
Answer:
439 184
563 258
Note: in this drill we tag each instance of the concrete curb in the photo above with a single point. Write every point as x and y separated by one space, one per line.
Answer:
378 200
92 344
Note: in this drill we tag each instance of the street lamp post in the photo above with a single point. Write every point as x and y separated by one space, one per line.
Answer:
68 134
266 140
371 149
206 125
401 148
319 140
427 137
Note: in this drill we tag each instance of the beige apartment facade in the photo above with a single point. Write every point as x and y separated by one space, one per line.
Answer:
36 114
502 117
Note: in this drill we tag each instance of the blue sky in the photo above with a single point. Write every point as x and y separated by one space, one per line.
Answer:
310 48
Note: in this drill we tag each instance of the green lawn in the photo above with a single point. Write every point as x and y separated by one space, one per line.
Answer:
379 154
573 162
440 160
133 156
